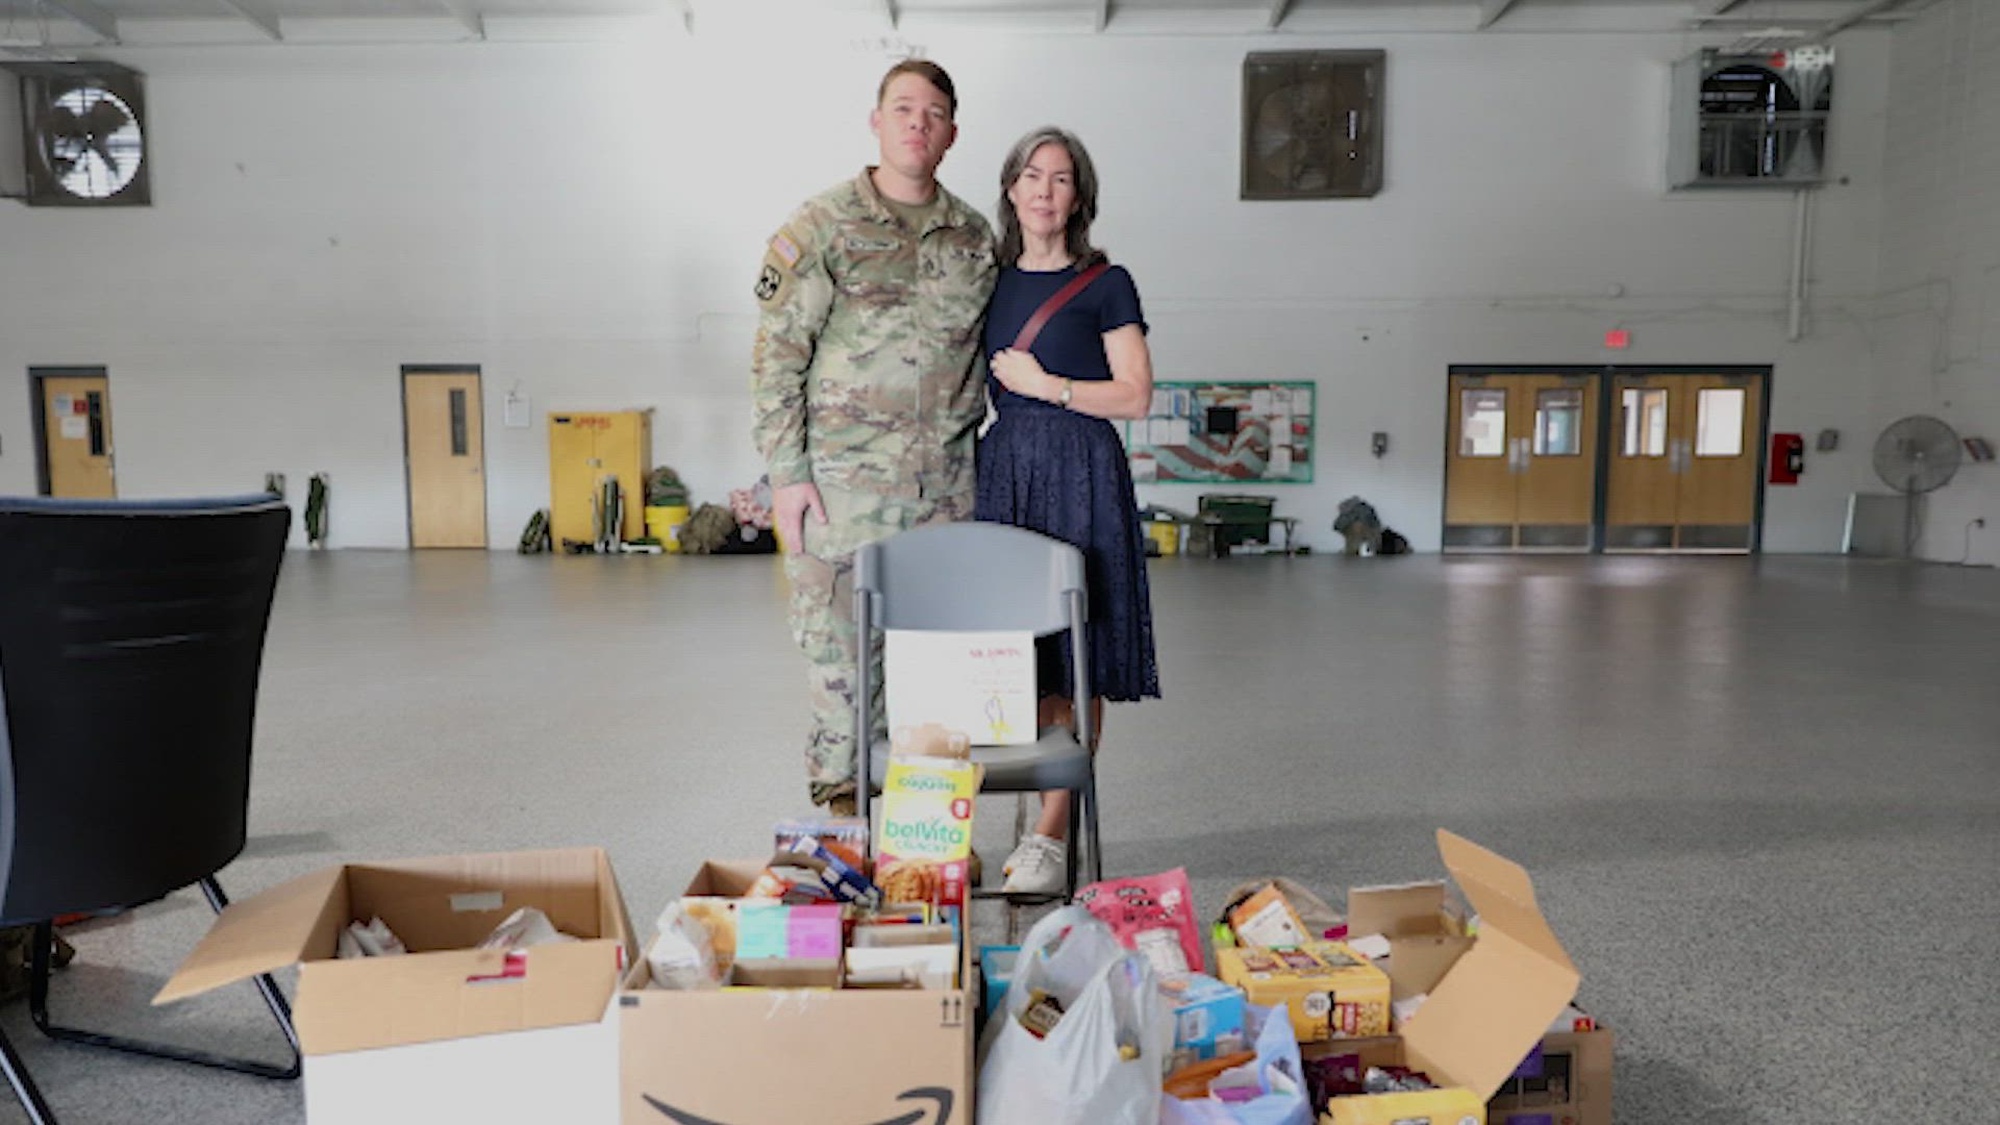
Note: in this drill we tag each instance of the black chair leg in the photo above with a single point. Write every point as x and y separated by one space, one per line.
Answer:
1073 846
1090 828
38 1009
24 1086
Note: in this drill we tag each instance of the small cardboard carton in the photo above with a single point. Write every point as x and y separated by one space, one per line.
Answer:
1331 991
1208 1018
799 1050
1489 1006
442 1032
1565 1081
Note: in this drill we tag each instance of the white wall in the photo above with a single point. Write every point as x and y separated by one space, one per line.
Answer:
1938 331
583 221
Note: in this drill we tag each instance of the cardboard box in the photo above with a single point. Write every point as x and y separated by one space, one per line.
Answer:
432 1035
1425 932
1490 1005
745 1056
1331 991
1208 1018
1566 1082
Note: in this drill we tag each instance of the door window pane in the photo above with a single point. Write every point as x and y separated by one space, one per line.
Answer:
1718 422
1645 411
458 437
1559 422
1482 425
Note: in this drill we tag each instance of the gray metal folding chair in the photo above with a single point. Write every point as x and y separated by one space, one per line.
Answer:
983 577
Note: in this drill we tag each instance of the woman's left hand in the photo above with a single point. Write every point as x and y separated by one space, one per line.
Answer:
1022 373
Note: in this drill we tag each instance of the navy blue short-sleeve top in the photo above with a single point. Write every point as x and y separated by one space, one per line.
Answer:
1071 344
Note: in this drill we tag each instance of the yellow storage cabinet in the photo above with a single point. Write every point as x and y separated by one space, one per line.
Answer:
584 448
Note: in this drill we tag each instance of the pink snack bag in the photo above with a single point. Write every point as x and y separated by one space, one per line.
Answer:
1152 915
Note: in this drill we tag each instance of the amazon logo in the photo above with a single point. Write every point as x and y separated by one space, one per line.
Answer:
936 1112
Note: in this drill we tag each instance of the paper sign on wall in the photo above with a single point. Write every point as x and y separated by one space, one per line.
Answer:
979 683
75 428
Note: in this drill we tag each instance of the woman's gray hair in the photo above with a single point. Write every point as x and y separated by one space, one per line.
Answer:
1077 236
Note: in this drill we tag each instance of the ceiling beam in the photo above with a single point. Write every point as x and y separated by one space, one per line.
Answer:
88 14
686 9
1102 16
1872 8
1490 12
1706 9
260 17
889 13
1279 8
469 19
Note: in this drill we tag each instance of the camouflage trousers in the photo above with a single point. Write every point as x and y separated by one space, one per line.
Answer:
822 618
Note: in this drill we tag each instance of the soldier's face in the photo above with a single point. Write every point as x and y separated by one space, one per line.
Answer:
914 126
1044 195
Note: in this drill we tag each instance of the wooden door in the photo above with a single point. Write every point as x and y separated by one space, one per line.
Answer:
444 443
1642 485
1555 423
76 436
1482 490
1720 441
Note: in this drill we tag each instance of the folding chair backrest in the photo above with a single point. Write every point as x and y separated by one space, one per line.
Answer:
970 577
131 639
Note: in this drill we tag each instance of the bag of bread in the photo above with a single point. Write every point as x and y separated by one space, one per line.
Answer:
925 844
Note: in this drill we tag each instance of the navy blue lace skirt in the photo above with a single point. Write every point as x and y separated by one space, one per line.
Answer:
1064 474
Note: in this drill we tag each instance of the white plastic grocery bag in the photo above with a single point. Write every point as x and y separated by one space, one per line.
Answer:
1101 1063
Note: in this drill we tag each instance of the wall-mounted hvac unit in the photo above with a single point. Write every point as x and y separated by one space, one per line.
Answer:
1750 120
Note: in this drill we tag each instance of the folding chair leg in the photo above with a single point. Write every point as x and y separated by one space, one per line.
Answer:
38 1009
1090 829
24 1086
1073 846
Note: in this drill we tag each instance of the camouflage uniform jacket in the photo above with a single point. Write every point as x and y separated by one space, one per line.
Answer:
866 373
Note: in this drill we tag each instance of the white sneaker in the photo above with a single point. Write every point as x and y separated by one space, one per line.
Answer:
1040 866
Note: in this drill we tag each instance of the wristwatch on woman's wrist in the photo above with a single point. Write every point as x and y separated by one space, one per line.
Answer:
1069 388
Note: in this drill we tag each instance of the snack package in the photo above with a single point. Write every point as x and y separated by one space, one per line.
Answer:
844 836
1266 920
1330 991
683 956
717 915
926 841
812 872
1153 915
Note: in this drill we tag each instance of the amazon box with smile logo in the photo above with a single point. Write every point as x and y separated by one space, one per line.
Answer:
794 1047
447 1031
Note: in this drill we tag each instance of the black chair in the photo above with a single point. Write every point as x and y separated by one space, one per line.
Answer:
985 577
131 636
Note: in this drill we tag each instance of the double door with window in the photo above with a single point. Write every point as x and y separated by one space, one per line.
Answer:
1596 459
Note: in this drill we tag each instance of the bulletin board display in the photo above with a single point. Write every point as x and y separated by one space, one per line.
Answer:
1222 432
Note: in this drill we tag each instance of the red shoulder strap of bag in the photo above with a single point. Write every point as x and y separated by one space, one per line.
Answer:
1054 305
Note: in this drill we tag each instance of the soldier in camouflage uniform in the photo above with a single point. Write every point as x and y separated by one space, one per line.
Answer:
867 383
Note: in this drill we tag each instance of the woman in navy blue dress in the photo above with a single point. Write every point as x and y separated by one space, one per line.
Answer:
1051 461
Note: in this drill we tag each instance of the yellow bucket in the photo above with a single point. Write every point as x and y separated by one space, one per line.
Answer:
1166 536
665 525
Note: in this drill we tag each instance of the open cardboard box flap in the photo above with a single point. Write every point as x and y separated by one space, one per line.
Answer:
1497 1000
440 907
292 922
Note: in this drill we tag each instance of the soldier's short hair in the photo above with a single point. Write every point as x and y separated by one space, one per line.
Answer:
929 72
1076 237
